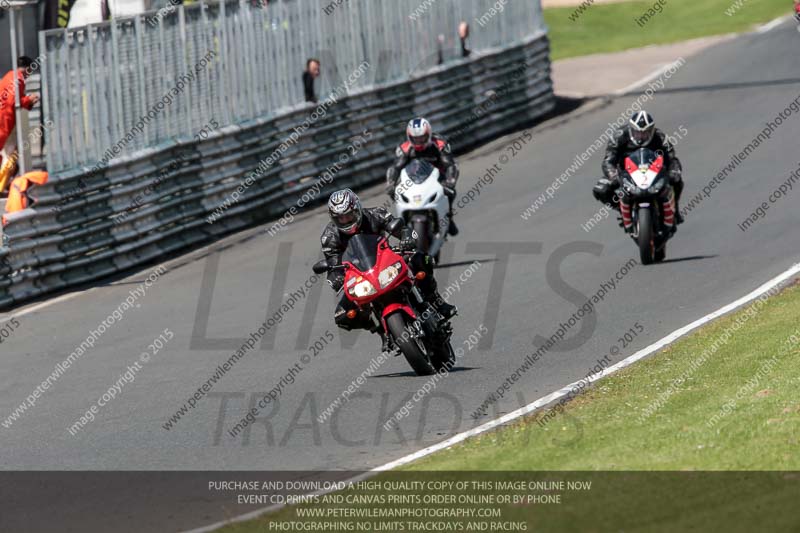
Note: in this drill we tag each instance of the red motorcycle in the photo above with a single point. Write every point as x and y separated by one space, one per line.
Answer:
379 282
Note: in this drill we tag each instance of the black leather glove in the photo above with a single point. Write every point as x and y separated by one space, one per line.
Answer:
603 190
336 280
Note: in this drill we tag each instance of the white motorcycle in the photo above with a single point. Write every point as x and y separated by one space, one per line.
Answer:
420 201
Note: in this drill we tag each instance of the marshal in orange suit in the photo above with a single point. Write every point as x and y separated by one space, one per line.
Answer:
8 119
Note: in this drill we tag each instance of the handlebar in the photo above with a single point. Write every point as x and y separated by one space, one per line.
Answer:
395 249
398 250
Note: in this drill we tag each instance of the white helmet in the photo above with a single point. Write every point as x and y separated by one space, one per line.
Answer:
419 133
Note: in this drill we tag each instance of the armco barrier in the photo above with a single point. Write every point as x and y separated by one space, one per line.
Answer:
86 226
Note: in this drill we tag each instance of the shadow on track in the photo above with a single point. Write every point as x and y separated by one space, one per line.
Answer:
410 374
464 263
688 258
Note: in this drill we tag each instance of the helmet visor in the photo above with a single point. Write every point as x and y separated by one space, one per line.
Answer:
420 140
345 220
642 137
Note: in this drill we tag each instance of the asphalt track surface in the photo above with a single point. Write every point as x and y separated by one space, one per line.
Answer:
722 98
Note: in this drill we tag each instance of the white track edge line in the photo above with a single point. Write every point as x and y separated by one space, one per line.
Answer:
769 26
644 352
541 402
772 24
648 78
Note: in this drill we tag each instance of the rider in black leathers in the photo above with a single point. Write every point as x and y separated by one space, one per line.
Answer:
640 132
422 143
348 218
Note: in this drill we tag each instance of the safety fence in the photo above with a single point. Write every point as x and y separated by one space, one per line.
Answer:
116 88
87 225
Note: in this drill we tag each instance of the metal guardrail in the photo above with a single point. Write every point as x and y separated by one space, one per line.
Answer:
241 60
89 225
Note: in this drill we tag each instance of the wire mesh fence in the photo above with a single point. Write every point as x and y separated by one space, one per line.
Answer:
114 89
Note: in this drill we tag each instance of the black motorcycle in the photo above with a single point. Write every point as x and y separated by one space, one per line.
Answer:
650 203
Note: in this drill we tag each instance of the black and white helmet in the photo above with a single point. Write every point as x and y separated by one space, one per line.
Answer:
345 210
642 127
419 133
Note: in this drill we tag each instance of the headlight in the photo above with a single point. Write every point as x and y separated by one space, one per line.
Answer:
362 289
658 185
389 274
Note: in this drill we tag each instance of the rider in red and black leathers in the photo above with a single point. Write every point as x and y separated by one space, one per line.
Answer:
423 144
640 132
348 218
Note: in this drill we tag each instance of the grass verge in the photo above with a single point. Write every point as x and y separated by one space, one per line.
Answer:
650 445
614 27
734 409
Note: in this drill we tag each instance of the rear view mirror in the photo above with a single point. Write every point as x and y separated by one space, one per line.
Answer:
321 267
395 225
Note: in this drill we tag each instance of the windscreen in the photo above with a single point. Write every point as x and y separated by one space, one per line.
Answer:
419 170
362 251
643 156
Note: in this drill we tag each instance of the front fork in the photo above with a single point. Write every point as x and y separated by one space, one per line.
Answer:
669 209
428 322
663 210
438 328
417 294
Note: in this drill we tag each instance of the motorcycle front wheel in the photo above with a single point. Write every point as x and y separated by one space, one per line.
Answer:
444 357
420 227
413 349
645 238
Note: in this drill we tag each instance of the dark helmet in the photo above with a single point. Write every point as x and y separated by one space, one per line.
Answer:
345 210
642 127
419 133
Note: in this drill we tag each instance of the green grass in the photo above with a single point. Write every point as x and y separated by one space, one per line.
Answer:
607 428
606 436
613 27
